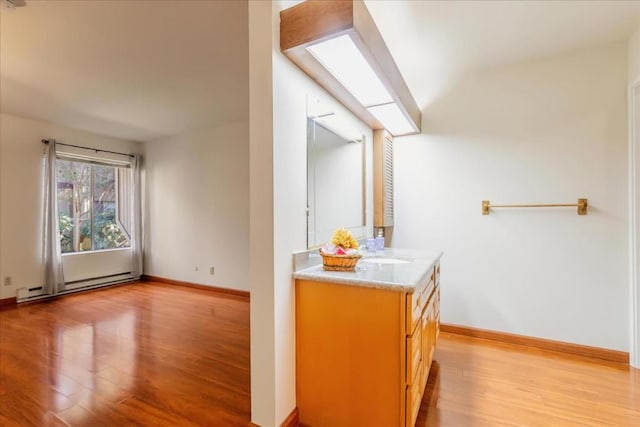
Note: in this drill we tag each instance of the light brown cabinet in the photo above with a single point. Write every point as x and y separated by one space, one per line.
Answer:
423 320
382 179
364 354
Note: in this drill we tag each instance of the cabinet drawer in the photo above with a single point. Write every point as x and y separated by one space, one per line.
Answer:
414 355
413 399
416 303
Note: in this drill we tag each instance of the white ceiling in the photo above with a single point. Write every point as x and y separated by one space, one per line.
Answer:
146 69
436 42
139 70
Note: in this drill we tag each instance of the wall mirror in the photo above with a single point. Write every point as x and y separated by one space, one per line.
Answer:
336 176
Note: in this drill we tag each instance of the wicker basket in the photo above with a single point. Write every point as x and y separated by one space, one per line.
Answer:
339 262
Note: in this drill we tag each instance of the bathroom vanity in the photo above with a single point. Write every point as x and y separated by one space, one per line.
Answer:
365 339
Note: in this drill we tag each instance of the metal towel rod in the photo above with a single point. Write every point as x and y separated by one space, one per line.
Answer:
582 206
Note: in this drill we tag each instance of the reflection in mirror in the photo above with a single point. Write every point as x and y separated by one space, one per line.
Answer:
335 177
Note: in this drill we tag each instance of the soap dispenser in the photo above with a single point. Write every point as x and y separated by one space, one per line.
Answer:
380 239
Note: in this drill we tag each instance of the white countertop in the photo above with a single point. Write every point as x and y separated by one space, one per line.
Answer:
395 277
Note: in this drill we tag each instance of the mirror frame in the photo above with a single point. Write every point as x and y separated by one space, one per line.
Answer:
359 231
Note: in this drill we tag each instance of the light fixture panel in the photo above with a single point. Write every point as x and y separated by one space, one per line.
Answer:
337 43
392 119
342 58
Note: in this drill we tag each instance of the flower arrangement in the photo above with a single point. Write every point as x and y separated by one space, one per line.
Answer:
342 253
342 243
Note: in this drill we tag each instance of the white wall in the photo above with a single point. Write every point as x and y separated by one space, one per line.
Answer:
21 168
634 56
262 307
96 264
634 150
264 394
278 176
546 131
197 206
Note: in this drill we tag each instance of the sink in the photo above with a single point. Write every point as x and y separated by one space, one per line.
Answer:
381 260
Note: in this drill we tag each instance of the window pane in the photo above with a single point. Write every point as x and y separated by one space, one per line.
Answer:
107 234
104 188
85 234
124 189
87 207
74 205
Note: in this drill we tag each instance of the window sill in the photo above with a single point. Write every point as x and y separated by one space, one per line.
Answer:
95 252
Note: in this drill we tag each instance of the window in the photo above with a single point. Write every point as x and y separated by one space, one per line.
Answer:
92 206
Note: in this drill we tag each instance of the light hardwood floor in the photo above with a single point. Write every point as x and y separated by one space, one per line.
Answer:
476 382
163 355
142 354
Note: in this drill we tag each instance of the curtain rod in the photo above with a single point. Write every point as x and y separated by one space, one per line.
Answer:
46 141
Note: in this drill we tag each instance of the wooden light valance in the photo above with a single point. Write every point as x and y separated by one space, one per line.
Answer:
316 21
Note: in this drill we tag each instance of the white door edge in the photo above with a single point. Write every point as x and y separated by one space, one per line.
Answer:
634 223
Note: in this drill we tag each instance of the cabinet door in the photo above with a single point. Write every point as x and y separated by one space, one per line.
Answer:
429 331
414 351
432 328
426 345
437 313
413 400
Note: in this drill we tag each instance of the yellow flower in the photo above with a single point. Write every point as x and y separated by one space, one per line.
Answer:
342 237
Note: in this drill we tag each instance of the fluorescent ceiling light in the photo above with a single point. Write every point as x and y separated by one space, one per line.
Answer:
344 60
343 52
392 119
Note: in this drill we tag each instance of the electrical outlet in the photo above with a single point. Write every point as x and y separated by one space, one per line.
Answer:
7 281
211 270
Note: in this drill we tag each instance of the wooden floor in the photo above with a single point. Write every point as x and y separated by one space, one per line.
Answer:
143 354
163 355
476 382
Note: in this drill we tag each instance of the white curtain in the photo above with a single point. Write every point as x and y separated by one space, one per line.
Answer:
54 278
136 229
